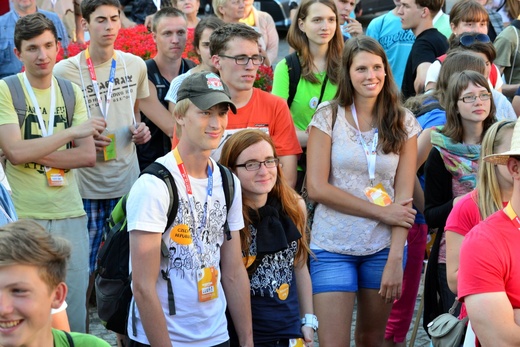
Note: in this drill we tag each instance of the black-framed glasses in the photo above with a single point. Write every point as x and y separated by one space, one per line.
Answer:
244 59
472 98
254 165
468 40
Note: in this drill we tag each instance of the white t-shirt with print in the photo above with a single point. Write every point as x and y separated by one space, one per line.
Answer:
195 323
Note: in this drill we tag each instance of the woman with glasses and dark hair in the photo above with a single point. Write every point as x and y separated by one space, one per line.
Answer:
274 244
451 172
480 45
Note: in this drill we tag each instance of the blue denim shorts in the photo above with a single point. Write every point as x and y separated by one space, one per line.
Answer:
334 272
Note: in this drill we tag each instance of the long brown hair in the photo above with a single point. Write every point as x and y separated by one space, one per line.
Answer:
458 83
388 109
288 197
298 40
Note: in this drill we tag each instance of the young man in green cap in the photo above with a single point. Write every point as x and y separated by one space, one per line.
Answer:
204 268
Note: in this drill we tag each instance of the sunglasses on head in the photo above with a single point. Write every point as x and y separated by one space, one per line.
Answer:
468 40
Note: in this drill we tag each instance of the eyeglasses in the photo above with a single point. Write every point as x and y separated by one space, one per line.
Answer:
468 40
472 98
244 59
254 165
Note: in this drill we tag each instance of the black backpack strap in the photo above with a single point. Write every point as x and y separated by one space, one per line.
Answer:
228 183
295 71
516 23
69 338
18 96
160 171
186 64
156 78
69 98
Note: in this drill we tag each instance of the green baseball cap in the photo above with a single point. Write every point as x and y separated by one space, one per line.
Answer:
205 89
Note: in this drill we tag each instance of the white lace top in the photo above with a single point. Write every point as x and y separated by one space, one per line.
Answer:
334 231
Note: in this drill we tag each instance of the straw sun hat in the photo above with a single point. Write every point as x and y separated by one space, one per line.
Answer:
502 158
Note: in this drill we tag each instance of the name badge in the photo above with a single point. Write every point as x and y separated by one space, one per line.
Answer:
283 291
109 151
207 284
55 177
296 342
378 195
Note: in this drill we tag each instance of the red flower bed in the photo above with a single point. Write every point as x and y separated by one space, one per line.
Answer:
136 40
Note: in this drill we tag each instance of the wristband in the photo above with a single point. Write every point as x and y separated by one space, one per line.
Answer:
310 320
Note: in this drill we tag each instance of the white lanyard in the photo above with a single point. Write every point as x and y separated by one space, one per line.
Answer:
370 154
157 4
50 129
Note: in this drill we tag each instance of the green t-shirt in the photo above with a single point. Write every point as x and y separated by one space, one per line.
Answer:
80 340
443 25
307 94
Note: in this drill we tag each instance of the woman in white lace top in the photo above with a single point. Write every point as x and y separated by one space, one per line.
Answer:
361 156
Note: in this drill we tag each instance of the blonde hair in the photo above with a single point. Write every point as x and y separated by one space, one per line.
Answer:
216 4
25 242
489 199
181 107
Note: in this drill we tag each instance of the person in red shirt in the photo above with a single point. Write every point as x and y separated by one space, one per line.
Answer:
235 54
488 277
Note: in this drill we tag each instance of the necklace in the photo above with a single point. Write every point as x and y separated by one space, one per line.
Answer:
370 124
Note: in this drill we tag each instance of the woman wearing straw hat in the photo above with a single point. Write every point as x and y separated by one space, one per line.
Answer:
488 276
494 189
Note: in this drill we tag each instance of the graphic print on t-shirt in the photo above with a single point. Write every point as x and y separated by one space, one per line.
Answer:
275 271
31 129
120 92
191 249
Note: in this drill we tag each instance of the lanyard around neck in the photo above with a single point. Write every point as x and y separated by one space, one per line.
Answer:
189 191
508 210
95 84
371 154
50 126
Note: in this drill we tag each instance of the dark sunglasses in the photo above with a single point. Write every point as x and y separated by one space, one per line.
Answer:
468 40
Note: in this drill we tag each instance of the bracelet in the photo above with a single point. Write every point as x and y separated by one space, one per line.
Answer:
310 320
